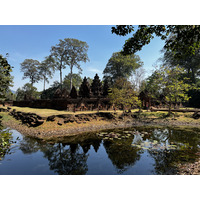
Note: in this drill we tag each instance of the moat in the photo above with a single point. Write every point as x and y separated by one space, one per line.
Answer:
133 151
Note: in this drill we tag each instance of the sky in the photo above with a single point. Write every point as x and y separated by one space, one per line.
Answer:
34 42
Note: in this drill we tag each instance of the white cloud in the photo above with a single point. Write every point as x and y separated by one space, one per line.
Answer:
95 70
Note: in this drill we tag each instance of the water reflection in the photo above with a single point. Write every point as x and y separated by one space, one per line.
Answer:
71 155
66 160
122 154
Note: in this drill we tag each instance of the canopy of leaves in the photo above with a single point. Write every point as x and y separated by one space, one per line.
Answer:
5 142
5 77
46 69
76 79
182 37
49 93
69 52
169 82
123 95
191 63
30 68
27 92
120 66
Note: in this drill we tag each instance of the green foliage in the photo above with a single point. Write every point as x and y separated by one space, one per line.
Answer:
153 85
30 68
120 66
69 52
5 77
76 79
46 69
49 93
5 142
184 38
168 82
189 63
27 92
10 96
123 95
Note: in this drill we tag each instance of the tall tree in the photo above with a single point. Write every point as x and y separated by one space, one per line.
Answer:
120 66
46 69
191 63
5 76
177 37
69 52
30 68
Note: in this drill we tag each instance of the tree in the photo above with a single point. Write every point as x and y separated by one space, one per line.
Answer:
177 37
30 68
96 86
46 69
123 95
189 63
49 93
20 94
27 92
5 76
76 79
172 85
138 78
69 52
120 66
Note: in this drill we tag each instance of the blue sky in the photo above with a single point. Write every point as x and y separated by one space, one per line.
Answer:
35 41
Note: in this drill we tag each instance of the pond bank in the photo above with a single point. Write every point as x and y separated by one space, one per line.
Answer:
58 128
60 125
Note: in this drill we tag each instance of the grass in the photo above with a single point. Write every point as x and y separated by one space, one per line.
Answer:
49 112
179 116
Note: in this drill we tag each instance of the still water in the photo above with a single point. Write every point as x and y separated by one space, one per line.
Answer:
135 151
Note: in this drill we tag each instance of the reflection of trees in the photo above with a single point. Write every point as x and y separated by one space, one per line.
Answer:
66 160
63 158
29 145
122 154
166 160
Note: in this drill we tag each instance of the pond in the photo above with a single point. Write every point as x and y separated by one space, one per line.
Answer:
134 151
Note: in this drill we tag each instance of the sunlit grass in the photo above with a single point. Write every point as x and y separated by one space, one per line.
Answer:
49 112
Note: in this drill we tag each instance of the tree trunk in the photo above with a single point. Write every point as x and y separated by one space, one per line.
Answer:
61 78
44 85
71 78
193 76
